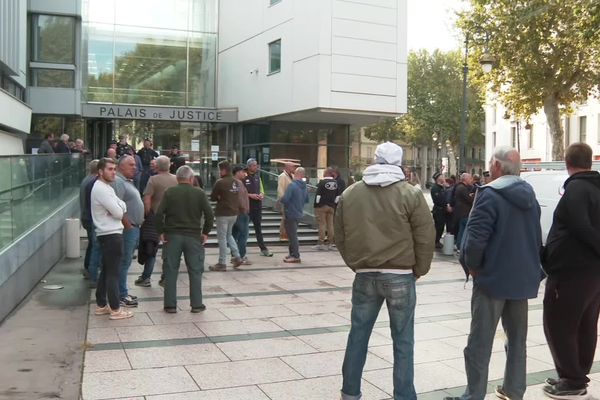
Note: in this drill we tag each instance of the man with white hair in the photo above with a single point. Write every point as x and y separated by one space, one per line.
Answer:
132 220
501 250
384 232
63 145
153 194
179 219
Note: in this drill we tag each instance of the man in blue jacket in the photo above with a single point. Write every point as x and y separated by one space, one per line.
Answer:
501 251
294 199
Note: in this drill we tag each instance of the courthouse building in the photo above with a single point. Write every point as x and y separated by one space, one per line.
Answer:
219 79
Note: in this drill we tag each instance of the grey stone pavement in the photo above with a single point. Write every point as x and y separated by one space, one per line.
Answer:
278 331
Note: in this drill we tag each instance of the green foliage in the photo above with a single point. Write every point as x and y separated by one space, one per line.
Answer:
547 54
434 103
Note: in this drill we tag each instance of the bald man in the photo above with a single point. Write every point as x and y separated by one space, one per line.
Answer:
284 180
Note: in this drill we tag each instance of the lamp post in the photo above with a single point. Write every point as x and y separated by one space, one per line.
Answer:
487 62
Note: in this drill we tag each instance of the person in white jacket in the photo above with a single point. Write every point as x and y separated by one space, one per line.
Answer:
107 212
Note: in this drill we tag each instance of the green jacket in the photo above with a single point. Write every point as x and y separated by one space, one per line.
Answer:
184 210
385 228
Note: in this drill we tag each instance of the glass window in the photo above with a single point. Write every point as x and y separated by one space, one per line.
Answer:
275 2
583 129
531 136
53 39
59 78
202 70
275 56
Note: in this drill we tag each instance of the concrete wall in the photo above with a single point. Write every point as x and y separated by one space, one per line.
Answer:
29 258
340 55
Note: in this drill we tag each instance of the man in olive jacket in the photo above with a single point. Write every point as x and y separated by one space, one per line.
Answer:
385 233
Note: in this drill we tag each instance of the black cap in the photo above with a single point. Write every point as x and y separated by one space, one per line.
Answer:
436 175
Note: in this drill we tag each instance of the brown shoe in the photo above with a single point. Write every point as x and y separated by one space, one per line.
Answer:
102 310
236 262
218 267
292 260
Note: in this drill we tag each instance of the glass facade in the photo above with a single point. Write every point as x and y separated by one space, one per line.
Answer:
52 51
150 52
316 145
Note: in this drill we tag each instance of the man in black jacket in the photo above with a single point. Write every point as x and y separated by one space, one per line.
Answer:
572 261
326 199
438 195
463 202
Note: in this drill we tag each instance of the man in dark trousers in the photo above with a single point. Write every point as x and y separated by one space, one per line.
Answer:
438 195
256 193
146 154
326 199
501 251
179 220
294 199
572 261
463 201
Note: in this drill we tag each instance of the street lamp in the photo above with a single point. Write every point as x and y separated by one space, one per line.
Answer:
487 62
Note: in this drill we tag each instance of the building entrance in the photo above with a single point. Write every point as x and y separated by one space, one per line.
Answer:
202 145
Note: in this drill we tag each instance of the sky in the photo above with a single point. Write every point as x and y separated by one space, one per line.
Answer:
431 24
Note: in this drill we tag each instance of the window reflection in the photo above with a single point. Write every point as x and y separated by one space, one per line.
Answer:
53 39
155 52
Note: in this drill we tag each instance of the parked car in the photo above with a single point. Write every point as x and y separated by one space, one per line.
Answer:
548 187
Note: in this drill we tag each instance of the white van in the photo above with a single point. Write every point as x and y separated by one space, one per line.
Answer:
549 188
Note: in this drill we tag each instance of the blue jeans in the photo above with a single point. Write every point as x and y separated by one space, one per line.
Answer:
368 293
485 314
224 229
241 230
131 238
93 254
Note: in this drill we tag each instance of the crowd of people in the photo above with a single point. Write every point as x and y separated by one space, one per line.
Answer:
386 233
62 146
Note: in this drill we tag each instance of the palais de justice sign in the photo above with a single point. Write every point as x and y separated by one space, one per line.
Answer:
159 113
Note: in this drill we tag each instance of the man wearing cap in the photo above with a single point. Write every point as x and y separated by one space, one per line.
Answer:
438 195
123 147
384 232
256 193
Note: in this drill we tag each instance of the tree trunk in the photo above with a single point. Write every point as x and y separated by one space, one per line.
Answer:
556 130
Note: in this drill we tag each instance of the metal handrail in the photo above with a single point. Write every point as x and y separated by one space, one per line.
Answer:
308 185
553 165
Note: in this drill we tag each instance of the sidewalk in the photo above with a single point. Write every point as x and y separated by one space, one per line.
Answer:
278 331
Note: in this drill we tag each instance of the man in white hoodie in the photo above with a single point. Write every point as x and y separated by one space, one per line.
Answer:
384 232
107 212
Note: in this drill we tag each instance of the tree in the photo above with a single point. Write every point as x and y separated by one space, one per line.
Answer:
547 54
387 130
434 103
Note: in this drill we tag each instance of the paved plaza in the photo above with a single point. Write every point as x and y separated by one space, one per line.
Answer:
278 331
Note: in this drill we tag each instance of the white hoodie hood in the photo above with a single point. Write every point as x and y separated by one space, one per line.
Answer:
386 171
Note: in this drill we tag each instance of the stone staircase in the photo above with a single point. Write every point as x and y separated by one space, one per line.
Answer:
307 235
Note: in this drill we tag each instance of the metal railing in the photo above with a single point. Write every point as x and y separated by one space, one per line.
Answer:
32 187
269 180
553 165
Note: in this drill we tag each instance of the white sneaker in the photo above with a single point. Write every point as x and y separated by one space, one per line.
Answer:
319 247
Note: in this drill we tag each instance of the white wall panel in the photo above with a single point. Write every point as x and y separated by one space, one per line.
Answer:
364 12
363 84
363 66
364 48
364 30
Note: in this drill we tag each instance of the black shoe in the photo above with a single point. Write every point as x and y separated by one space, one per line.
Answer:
501 394
438 245
144 282
562 391
552 381
129 302
171 310
198 309
451 398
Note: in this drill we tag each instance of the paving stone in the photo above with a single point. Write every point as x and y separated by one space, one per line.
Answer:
265 348
239 393
242 373
152 357
140 382
317 389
